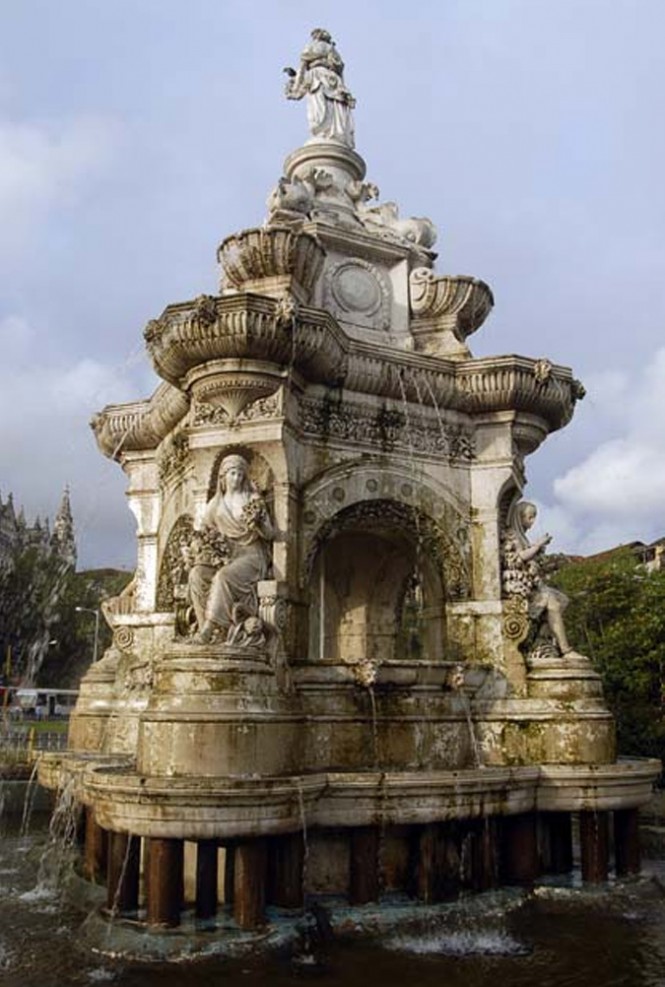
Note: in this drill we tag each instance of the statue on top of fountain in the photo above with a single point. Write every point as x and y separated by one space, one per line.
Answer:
320 78
230 555
523 579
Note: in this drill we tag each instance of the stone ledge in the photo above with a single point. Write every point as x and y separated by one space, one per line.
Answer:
200 808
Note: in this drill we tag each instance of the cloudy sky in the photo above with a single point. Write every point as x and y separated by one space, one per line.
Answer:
136 134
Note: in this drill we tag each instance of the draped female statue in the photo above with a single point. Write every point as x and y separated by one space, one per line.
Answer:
236 524
321 79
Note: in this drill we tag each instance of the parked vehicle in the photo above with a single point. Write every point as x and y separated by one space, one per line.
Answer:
41 704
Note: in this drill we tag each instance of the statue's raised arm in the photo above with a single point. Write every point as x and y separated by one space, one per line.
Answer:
320 78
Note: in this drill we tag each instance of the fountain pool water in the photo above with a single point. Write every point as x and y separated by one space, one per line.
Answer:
554 936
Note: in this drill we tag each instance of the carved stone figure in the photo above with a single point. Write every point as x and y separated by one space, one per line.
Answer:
384 220
247 632
290 200
236 518
321 79
523 579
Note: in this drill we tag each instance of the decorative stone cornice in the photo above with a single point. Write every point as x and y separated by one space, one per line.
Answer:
511 382
249 327
140 425
246 327
224 807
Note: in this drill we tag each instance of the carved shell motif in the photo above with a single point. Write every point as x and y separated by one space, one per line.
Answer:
259 254
463 301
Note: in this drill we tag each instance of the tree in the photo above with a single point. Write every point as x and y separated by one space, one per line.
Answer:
73 641
49 642
617 617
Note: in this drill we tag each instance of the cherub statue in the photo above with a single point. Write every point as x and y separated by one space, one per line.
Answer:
523 578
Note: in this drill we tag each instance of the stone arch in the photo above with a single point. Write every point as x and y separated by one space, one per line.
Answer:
412 498
371 561
378 545
508 497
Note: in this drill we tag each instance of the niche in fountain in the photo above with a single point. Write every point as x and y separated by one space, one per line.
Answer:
375 594
338 624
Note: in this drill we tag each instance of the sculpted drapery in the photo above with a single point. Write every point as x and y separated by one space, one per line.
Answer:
320 78
238 518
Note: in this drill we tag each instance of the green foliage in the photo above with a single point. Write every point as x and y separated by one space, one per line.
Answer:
51 643
617 617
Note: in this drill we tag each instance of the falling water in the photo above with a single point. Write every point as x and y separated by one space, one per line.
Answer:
383 826
305 844
113 912
457 684
409 433
475 746
435 403
29 801
375 725
55 865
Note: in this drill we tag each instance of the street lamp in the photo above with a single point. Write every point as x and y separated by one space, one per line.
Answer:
96 644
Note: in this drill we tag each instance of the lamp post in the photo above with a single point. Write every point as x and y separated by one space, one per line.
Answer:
96 644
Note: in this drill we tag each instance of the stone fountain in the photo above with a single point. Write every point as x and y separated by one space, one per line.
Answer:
338 626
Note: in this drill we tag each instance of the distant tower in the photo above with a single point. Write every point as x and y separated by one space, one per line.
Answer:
8 533
63 539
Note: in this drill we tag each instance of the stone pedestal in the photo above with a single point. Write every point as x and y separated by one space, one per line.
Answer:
217 712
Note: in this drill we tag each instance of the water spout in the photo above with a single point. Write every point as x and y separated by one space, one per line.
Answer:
457 683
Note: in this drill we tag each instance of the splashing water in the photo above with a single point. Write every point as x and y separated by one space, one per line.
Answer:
29 802
471 942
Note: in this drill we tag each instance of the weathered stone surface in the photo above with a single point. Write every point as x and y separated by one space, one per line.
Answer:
354 638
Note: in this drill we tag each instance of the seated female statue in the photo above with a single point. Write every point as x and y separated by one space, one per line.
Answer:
237 516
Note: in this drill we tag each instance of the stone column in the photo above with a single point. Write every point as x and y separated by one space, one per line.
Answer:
287 857
558 832
143 499
484 864
249 886
206 879
436 863
428 854
626 842
164 877
594 845
123 872
95 851
364 879
519 849
229 872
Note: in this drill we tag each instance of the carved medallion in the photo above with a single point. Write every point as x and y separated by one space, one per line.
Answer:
356 291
